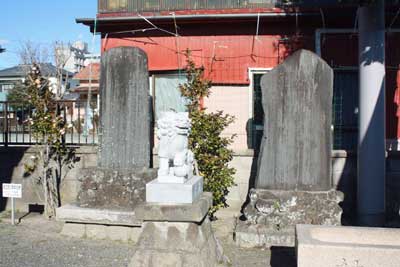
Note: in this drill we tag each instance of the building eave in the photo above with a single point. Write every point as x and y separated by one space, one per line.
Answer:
101 20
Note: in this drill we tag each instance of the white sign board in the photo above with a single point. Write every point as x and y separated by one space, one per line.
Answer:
12 190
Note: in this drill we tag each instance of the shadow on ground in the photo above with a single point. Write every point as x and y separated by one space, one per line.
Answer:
283 257
9 158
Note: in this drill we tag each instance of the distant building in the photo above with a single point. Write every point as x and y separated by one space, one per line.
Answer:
11 76
92 58
76 56
73 55
87 80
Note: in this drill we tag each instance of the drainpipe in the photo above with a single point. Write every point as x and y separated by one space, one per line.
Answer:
371 135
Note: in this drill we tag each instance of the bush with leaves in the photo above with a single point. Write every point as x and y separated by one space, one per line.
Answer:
206 141
48 129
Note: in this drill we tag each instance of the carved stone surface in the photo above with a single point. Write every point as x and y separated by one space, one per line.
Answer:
125 109
175 159
282 209
273 214
296 147
112 189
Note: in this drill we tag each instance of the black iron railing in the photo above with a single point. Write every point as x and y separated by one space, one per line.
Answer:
15 126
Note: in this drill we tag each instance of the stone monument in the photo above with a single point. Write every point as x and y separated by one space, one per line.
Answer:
110 192
293 183
124 110
176 229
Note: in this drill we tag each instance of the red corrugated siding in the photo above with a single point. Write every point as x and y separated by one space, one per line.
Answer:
226 58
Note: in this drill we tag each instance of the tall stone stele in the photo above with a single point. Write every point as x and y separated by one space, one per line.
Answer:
293 183
125 110
119 180
295 152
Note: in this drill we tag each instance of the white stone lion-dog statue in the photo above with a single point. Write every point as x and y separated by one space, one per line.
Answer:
176 161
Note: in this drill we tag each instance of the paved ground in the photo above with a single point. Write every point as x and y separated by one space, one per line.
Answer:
36 242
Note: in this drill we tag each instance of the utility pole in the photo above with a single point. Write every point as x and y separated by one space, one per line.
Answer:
371 136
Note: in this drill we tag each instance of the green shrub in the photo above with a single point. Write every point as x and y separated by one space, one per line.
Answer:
206 141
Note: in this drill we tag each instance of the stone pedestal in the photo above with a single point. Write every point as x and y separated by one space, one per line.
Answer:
174 193
273 214
176 235
113 189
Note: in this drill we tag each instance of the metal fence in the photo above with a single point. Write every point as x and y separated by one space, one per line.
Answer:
15 128
105 6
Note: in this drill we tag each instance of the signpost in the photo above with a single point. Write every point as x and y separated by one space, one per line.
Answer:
12 191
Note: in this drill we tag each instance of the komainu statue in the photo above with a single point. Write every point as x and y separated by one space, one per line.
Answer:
176 161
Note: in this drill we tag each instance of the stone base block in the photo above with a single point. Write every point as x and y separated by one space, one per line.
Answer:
73 213
193 212
174 193
258 235
177 235
101 232
113 189
272 215
347 246
176 244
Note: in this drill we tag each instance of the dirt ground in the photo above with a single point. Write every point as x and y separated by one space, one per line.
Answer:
35 241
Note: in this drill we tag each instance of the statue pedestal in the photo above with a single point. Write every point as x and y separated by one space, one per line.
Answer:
174 193
176 235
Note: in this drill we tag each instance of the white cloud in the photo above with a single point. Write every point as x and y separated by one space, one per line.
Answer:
4 41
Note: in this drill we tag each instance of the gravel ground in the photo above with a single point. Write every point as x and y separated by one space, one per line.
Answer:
36 242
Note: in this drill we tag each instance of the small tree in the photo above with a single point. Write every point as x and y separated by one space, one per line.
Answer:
48 130
30 52
206 141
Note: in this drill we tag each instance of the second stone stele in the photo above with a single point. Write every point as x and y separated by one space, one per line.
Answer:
294 182
175 183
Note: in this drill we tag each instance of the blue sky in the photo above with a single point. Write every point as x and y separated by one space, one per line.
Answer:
42 22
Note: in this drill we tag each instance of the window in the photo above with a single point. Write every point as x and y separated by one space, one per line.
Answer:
345 109
117 4
6 87
166 93
256 124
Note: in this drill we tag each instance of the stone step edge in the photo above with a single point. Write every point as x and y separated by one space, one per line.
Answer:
75 214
